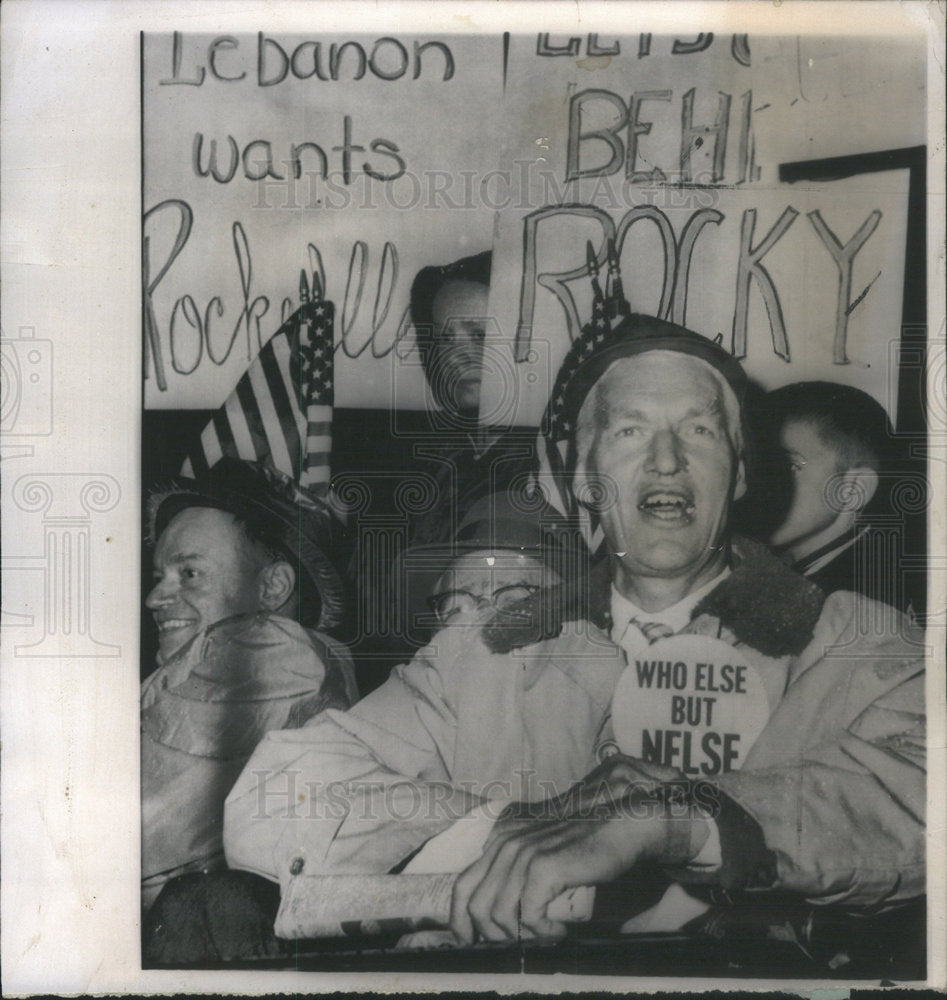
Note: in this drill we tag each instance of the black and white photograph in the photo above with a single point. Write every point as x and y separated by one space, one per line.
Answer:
533 519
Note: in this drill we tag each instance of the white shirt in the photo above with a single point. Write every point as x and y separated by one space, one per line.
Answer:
631 638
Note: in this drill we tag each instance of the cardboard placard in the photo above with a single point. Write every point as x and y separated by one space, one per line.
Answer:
671 148
269 153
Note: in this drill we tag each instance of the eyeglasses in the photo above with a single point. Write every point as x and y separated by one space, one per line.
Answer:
450 603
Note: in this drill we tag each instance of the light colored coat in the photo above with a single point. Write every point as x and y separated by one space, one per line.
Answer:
829 802
203 713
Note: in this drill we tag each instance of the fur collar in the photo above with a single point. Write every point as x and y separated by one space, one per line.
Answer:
762 602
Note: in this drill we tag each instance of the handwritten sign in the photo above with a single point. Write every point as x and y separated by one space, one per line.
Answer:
364 158
266 154
671 148
692 702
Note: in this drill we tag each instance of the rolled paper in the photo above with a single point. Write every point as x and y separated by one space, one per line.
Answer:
316 906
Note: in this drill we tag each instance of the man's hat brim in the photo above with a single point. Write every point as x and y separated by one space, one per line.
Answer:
495 523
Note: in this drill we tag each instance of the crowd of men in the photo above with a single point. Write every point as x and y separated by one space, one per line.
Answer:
526 706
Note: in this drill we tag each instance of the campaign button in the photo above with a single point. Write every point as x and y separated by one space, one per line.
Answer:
693 702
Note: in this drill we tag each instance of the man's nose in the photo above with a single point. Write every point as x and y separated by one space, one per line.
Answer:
665 455
469 350
160 594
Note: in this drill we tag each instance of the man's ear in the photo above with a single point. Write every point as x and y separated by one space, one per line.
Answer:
859 484
277 583
739 480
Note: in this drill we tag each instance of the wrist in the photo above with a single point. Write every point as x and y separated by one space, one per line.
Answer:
683 837
679 827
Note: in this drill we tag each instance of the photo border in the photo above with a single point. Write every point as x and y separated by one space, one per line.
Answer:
71 205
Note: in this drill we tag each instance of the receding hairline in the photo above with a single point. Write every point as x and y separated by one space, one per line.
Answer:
622 367
675 359
724 403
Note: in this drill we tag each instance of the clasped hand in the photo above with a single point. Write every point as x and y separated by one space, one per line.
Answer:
593 834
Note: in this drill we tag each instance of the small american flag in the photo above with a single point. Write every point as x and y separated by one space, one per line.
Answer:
608 309
280 412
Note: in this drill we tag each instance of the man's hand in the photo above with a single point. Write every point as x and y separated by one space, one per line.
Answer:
605 785
504 894
614 778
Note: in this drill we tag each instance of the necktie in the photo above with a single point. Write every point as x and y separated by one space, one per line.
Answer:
652 631
640 634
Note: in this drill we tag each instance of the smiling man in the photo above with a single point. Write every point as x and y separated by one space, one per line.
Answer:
207 567
238 565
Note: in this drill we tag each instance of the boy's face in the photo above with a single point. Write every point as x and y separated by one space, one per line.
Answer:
811 518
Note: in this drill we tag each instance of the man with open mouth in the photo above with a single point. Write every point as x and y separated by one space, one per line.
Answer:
659 433
741 735
785 790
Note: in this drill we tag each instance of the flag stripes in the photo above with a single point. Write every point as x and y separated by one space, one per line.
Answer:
318 446
558 424
280 411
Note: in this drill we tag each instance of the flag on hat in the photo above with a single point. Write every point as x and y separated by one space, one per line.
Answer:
280 412
608 309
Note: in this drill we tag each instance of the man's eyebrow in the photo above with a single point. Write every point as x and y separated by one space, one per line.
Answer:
626 413
712 408
180 557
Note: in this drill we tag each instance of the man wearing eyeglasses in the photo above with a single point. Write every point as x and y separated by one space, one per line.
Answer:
507 547
774 744
472 583
450 730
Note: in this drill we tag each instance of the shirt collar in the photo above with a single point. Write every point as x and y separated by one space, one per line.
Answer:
822 556
483 439
675 617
